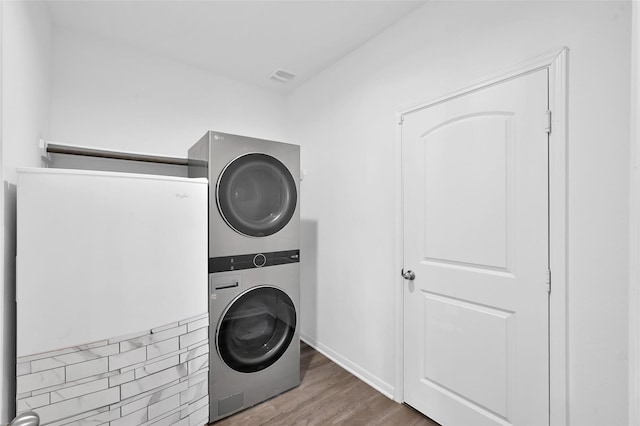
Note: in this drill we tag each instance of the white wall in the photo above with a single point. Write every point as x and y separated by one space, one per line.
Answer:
25 116
92 92
345 121
26 83
634 234
110 96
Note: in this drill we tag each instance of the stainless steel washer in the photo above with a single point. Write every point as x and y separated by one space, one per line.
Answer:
254 336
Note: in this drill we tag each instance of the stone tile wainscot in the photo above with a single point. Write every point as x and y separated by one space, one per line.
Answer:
157 377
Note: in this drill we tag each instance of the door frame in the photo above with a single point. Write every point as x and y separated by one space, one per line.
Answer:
556 62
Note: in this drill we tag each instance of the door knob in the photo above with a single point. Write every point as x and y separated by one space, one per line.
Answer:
409 275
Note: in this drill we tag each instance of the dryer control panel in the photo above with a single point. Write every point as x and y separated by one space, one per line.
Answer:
255 260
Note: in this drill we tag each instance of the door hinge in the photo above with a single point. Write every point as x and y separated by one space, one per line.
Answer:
401 120
549 281
548 128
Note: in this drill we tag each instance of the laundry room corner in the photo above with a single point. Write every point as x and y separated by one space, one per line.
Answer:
80 74
63 85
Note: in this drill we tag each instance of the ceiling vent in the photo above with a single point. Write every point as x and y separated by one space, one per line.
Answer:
282 76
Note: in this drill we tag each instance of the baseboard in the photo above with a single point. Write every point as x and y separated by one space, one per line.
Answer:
381 386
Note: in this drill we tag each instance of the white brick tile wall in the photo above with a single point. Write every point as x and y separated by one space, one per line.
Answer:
164 406
136 418
75 406
183 422
121 378
154 367
128 336
194 392
194 337
150 339
30 403
162 348
24 395
63 351
184 412
197 364
199 417
155 377
176 389
198 344
74 391
42 379
197 378
86 369
202 402
78 418
128 358
102 418
153 381
194 352
133 404
169 420
195 325
72 383
73 358
23 368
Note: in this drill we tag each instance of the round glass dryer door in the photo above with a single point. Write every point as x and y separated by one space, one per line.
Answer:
256 195
256 329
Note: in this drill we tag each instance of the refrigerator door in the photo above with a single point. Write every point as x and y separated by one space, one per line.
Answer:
106 254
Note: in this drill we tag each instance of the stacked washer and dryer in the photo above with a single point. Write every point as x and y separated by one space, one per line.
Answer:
254 294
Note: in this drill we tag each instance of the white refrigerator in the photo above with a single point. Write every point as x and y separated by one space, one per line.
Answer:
111 297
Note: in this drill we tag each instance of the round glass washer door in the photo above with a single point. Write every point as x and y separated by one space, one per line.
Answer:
256 195
256 329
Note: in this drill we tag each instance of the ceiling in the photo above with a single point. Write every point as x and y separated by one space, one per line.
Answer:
242 40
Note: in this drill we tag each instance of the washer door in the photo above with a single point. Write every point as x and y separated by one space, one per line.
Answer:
256 195
256 329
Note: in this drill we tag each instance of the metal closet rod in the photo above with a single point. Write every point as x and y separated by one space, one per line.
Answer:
90 152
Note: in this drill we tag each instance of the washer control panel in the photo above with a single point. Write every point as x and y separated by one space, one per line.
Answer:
259 260
254 260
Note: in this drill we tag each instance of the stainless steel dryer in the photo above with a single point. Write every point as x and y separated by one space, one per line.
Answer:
253 193
254 334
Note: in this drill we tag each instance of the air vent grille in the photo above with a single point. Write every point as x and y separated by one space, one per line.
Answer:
282 76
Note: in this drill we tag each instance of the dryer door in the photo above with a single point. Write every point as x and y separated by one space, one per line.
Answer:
256 195
256 329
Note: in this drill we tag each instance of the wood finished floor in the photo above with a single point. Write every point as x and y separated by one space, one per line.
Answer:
328 395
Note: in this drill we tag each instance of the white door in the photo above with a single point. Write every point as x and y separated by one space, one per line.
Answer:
475 179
